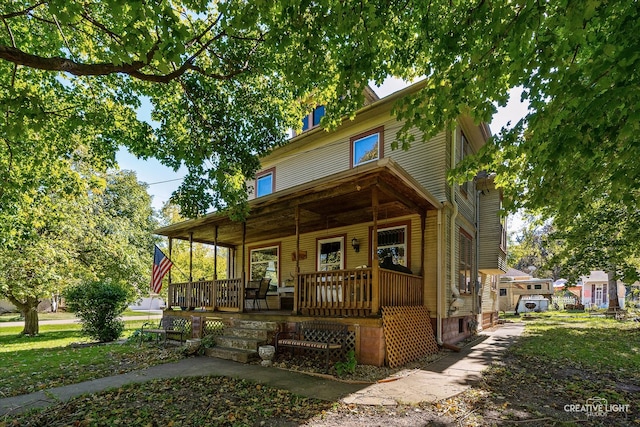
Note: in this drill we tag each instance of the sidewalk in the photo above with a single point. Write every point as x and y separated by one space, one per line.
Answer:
447 377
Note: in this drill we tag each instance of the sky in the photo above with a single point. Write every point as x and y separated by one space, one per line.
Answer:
162 181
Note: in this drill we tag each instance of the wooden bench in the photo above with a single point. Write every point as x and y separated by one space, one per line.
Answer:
173 326
318 336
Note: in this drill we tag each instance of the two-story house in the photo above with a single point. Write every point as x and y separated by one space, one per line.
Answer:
351 231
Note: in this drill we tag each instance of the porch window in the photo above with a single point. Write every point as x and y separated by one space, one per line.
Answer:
264 263
392 242
465 278
264 183
366 147
330 254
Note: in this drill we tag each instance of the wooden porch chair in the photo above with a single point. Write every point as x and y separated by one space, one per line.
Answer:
259 293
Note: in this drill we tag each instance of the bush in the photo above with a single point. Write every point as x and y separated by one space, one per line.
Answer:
99 305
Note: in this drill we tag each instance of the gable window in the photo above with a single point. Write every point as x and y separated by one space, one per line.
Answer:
313 119
265 183
392 243
264 263
503 292
330 254
366 147
465 277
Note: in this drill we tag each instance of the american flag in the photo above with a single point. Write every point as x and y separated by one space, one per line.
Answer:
161 265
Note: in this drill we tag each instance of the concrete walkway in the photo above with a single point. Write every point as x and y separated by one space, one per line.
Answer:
447 377
444 378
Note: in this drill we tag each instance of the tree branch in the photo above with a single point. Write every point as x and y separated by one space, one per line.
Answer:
21 12
19 57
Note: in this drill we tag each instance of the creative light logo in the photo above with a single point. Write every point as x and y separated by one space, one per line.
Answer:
597 407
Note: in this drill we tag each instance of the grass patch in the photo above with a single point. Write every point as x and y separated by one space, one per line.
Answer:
50 360
192 401
563 359
595 343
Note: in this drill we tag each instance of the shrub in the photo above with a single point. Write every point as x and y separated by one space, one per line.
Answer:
99 305
348 366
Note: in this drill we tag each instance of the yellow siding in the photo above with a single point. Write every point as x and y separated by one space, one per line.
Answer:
489 294
431 262
491 257
308 243
425 161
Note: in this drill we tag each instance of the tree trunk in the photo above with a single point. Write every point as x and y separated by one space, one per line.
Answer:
614 303
31 325
29 310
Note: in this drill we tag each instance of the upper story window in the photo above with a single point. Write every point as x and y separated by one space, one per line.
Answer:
265 182
503 230
313 119
465 276
366 147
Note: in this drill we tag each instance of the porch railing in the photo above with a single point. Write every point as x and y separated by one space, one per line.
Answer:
212 294
400 289
351 292
320 293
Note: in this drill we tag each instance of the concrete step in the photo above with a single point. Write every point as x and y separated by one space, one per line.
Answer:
237 355
239 343
259 334
254 324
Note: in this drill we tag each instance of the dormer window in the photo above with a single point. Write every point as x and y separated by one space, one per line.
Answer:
313 119
366 147
265 182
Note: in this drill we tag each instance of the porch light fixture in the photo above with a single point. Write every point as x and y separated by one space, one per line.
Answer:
355 244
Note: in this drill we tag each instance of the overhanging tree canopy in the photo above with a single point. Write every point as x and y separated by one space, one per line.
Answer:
227 78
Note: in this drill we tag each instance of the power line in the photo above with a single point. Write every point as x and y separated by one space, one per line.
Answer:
163 182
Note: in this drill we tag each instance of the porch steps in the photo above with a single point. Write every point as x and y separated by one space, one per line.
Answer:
241 340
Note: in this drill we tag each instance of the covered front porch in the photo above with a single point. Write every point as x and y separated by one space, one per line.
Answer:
341 293
351 208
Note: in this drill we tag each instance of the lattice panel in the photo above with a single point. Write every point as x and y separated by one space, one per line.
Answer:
408 334
212 327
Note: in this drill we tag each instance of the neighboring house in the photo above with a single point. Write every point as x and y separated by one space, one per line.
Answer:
350 230
564 294
517 288
595 290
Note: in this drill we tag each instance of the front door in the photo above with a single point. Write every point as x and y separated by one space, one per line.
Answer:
598 296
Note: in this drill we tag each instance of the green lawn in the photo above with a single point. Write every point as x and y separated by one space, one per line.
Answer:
61 315
594 342
60 355
562 358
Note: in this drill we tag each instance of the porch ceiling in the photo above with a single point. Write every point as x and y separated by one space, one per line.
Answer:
338 200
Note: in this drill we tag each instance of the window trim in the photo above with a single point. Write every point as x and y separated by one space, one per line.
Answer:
463 289
339 237
380 131
262 174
